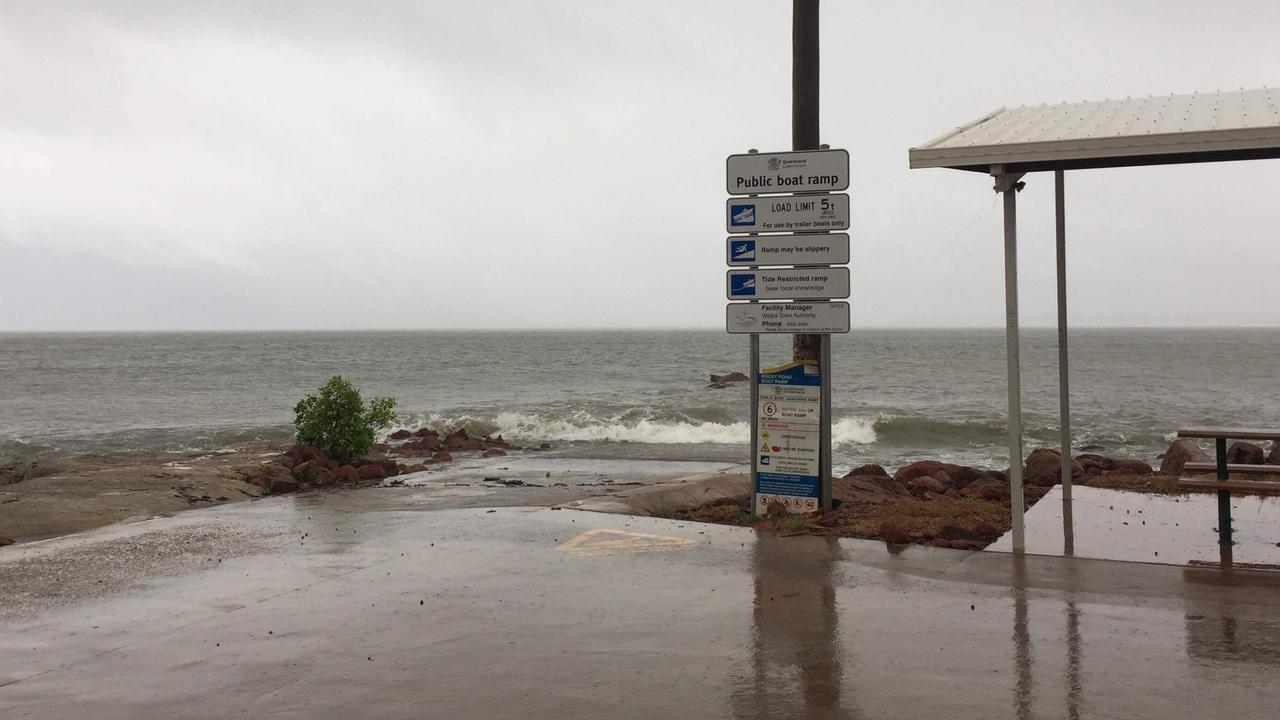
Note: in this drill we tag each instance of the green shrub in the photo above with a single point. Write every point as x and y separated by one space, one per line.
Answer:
336 420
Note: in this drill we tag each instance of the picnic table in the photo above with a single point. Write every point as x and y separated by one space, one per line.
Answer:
1223 482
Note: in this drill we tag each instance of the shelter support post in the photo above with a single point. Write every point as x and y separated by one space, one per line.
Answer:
1064 391
1009 184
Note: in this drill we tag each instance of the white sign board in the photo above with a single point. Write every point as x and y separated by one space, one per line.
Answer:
784 172
808 249
787 213
803 283
790 318
789 418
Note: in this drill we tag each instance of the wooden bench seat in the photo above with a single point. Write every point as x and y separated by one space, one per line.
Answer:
1229 485
1222 481
1234 468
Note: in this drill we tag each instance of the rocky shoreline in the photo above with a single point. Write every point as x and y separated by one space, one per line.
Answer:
966 508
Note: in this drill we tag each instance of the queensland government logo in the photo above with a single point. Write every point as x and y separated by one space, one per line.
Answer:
742 215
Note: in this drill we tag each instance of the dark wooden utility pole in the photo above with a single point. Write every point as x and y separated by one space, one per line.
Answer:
804 120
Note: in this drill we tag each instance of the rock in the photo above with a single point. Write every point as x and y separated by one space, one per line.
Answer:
426 433
970 545
322 477
986 531
302 452
496 441
735 376
455 440
960 474
494 452
346 474
371 471
870 469
442 456
942 477
6 541
416 467
1245 454
283 485
400 435
867 488
955 532
1181 452
1274 457
926 484
830 519
952 493
939 542
544 446
304 470
775 507
894 532
1131 466
987 488
1044 468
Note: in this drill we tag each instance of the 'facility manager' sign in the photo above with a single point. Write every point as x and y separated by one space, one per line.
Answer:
786 172
789 213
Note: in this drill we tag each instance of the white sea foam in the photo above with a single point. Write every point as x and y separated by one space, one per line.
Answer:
585 427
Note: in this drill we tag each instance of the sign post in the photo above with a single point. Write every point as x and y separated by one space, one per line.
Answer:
793 193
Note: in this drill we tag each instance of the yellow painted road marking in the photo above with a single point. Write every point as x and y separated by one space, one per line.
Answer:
603 542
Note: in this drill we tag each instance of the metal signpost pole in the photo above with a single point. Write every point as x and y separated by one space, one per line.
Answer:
804 136
754 378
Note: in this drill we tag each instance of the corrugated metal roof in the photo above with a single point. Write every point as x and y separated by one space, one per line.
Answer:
1201 127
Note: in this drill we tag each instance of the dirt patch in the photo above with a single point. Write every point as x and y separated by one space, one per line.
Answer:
968 523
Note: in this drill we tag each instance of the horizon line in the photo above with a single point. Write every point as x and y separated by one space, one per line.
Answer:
635 328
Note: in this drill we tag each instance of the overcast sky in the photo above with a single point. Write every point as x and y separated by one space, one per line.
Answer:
560 164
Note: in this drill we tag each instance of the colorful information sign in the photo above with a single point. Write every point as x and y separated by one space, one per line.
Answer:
787 437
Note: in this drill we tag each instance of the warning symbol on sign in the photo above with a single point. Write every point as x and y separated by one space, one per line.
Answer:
604 542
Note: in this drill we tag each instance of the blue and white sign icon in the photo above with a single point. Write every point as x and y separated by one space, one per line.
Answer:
743 285
742 215
743 251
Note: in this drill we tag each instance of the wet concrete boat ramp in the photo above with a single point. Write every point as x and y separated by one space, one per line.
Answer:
398 603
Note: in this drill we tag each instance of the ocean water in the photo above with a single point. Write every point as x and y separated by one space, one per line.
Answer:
899 395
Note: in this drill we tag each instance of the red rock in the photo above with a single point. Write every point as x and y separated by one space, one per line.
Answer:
400 435
776 508
283 485
970 545
955 532
870 469
494 452
347 474
302 452
959 473
406 469
734 376
926 484
1181 452
939 542
830 519
305 469
952 493
987 488
894 532
1131 466
544 446
867 488
986 531
6 541
442 456
371 471
455 439
496 441
1244 453
1274 457
1043 468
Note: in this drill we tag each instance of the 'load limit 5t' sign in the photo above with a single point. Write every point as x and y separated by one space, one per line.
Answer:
790 213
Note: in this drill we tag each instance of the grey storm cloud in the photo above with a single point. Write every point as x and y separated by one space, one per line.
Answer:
560 164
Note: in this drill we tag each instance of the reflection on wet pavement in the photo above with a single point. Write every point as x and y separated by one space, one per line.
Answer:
344 606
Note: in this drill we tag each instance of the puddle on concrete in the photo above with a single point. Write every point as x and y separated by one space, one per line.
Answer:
1169 529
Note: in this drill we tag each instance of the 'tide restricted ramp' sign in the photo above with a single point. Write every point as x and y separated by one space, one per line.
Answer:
798 318
789 419
808 249
783 172
788 213
806 283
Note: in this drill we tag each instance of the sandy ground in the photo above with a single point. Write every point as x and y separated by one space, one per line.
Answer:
67 495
